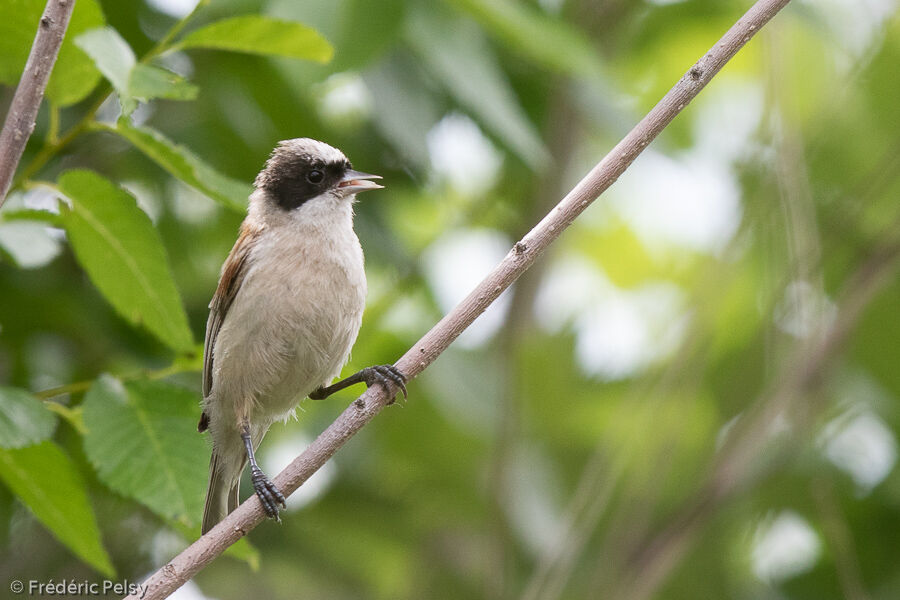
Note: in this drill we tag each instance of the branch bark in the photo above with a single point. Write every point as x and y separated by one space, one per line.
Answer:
27 100
249 514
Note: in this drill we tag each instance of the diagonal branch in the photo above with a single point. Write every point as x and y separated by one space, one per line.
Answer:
27 99
249 514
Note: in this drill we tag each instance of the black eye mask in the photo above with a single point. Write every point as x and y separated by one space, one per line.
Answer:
293 180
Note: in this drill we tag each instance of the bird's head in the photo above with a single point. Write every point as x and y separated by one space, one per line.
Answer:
303 169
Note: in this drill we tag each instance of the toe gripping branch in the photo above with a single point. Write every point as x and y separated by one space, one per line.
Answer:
269 495
383 374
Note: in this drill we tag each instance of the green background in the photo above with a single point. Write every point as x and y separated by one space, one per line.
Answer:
694 394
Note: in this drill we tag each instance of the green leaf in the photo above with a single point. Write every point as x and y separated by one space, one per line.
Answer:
48 483
122 253
404 109
72 415
111 53
30 214
467 67
261 35
366 32
180 162
115 59
74 75
23 419
142 439
147 81
549 42
132 80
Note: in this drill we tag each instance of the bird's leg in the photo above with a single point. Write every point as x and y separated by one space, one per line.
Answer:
370 376
269 496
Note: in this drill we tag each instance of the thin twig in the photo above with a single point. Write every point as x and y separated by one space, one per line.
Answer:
839 537
249 514
27 100
601 479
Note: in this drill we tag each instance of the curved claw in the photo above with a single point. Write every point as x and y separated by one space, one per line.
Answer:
384 373
269 495
393 373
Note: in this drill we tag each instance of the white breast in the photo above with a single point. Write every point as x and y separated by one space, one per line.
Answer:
298 312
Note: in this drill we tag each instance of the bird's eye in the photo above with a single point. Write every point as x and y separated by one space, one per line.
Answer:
315 176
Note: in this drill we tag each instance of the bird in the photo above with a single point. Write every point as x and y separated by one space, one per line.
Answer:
285 314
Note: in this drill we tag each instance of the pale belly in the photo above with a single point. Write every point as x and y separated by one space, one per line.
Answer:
285 336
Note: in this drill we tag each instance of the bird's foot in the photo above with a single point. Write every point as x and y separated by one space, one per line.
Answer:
382 374
269 495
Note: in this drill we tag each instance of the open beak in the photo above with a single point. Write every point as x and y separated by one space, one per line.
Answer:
355 182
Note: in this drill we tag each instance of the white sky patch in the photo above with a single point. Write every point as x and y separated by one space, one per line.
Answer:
857 23
177 62
728 118
618 332
627 331
567 291
110 110
690 202
612 341
462 156
344 97
142 113
861 445
146 198
784 547
408 316
174 8
37 198
692 199
285 449
30 244
804 310
455 264
43 198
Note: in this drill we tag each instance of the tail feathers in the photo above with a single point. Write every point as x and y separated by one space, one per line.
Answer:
221 494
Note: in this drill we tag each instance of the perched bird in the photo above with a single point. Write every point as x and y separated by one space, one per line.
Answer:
285 314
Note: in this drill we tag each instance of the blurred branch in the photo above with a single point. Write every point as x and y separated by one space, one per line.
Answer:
596 486
810 362
563 134
735 467
180 365
27 100
876 267
249 514
839 538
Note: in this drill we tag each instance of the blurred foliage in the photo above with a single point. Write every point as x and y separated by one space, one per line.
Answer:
693 395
